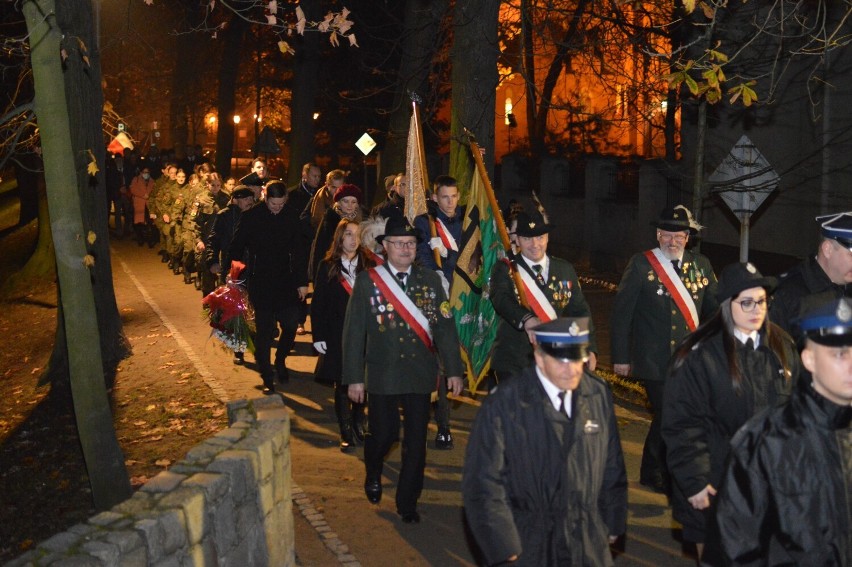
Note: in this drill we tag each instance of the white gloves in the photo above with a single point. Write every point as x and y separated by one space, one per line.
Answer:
320 347
436 244
444 283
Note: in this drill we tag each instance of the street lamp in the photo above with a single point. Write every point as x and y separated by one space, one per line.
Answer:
236 142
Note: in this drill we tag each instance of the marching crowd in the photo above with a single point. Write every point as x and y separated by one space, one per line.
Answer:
749 378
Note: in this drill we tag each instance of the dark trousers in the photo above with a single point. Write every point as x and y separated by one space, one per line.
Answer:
654 452
442 406
383 415
267 322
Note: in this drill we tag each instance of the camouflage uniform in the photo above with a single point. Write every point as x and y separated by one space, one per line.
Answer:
199 212
175 209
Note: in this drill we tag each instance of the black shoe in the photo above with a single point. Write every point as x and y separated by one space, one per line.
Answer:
410 518
239 358
347 447
373 490
269 385
444 440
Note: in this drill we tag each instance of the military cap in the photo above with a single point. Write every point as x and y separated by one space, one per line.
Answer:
398 225
837 227
531 224
677 219
829 324
241 191
565 338
738 277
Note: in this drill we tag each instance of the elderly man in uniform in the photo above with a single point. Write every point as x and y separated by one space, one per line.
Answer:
828 274
787 496
551 288
544 480
663 295
398 324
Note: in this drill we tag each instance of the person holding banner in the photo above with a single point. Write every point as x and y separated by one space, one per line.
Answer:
398 328
447 217
551 288
663 295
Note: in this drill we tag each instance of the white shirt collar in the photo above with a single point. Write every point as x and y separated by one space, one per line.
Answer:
553 392
394 270
544 263
743 337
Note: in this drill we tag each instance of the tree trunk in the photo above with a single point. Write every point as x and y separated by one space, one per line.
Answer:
306 68
422 24
104 459
228 72
474 79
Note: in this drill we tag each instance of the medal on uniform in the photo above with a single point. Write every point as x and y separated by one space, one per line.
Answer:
390 307
381 308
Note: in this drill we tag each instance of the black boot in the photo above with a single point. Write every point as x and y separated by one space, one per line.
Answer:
342 409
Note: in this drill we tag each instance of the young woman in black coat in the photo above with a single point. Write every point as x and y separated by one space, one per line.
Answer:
332 287
732 367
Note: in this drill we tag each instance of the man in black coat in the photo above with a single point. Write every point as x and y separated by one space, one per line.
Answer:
828 274
277 277
394 205
786 498
298 199
544 482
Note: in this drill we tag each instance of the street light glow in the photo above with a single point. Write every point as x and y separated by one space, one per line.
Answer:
236 118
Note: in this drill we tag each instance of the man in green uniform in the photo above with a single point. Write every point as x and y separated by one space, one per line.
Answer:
663 295
551 289
398 323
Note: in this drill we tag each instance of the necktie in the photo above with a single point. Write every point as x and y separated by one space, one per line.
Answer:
749 344
562 401
401 277
537 271
676 265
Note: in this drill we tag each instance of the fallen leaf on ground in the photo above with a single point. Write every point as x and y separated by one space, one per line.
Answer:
162 462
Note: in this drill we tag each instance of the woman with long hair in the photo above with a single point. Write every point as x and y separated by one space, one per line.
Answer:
732 367
333 282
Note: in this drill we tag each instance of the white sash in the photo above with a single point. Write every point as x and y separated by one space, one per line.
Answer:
409 312
538 301
674 284
447 238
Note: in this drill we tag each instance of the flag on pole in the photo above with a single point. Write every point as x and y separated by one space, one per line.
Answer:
474 314
120 143
415 169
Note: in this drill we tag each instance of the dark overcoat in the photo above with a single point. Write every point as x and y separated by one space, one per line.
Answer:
702 412
540 485
328 313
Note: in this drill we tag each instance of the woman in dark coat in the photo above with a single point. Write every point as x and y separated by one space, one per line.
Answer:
732 367
332 287
347 205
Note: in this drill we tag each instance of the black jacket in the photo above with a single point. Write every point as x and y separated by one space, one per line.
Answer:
276 259
539 485
219 240
785 499
328 313
702 412
807 278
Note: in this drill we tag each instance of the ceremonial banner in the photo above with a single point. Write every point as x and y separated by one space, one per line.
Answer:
415 169
476 320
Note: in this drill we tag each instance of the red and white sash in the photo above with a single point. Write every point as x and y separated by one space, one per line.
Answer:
665 271
409 312
538 301
446 238
346 285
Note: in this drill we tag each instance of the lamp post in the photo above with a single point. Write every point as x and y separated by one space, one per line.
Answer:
236 142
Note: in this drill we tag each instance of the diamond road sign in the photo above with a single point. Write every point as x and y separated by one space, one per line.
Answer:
744 179
365 143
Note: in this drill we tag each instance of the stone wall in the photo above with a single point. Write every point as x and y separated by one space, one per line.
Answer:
227 503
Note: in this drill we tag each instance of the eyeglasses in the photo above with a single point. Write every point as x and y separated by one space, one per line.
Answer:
680 238
398 244
748 305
